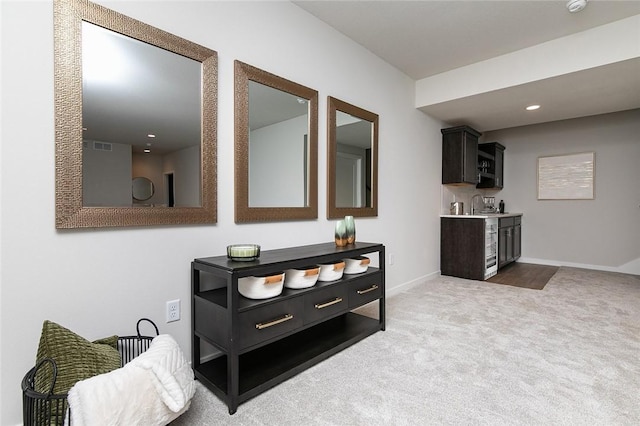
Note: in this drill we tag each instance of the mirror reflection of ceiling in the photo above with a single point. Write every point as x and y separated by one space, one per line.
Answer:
356 132
269 106
123 101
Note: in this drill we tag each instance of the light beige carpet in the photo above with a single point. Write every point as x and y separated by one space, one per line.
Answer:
466 352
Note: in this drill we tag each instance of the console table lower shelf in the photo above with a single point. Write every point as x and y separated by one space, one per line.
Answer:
265 367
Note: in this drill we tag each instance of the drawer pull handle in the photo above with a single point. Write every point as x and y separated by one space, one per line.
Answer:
264 325
324 305
373 287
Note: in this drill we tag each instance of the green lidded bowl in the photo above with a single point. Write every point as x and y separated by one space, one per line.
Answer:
243 252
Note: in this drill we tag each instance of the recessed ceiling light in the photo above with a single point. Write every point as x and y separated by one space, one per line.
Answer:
151 135
532 107
147 150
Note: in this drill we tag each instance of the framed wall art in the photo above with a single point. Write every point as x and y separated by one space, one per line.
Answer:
566 177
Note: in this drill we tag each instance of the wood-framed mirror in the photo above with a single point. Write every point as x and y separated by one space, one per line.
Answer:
131 100
352 160
276 147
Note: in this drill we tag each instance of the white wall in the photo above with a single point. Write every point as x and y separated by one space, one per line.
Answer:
603 233
99 282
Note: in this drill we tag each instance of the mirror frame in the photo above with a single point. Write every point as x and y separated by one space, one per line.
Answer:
70 212
243 212
334 212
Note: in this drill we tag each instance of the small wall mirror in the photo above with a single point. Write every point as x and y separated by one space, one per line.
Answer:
352 163
131 100
142 189
276 145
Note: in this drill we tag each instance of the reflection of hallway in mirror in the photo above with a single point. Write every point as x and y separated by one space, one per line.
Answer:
169 189
349 180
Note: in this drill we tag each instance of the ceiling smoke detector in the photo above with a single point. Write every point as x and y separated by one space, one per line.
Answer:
576 5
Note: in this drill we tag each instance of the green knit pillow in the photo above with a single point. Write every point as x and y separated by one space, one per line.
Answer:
111 341
76 358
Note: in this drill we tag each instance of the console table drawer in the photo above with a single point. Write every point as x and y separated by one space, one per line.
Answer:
324 303
258 325
364 291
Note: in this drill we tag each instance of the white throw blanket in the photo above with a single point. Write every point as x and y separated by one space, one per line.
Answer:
152 389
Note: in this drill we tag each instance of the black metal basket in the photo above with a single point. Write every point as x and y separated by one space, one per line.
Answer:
40 409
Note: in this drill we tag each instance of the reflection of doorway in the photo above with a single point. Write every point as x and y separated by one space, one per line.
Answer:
305 169
169 189
348 180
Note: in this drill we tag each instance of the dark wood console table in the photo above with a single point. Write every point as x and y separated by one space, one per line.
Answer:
248 359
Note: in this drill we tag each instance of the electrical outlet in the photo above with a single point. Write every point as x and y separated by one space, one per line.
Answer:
173 310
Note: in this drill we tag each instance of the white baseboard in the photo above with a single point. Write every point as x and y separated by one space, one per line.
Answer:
390 291
549 262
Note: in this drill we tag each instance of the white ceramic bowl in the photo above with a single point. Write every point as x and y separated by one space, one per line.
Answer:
261 287
356 265
301 278
331 271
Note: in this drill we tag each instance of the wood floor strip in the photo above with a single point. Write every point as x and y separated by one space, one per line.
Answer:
524 275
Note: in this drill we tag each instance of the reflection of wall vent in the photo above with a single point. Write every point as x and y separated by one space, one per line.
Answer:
102 146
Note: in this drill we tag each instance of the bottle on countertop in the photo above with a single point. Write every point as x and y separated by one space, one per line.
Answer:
501 206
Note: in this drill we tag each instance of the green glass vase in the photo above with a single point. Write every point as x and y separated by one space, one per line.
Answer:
341 233
350 224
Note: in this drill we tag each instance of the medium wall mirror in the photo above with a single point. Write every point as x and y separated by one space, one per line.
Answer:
276 147
352 160
131 100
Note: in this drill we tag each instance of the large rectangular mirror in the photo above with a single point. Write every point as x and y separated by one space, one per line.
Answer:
135 111
276 133
352 163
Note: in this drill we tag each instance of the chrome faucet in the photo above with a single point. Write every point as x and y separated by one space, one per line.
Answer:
473 203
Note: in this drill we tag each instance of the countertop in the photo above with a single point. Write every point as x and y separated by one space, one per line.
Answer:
481 216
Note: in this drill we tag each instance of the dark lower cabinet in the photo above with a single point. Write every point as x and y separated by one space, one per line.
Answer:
243 347
509 240
462 243
505 246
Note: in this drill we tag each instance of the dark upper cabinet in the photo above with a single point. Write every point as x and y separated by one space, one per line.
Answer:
460 155
491 165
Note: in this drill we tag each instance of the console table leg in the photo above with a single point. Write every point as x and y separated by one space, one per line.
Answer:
233 379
